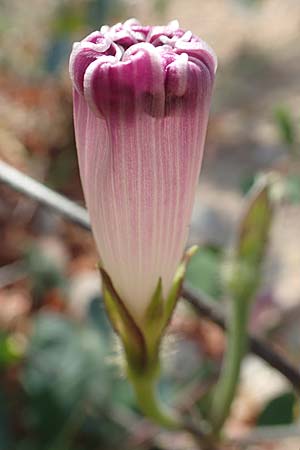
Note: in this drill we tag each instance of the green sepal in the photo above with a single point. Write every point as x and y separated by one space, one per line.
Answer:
124 325
177 283
156 308
160 310
141 340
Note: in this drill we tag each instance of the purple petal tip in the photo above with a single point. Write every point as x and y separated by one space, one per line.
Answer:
130 67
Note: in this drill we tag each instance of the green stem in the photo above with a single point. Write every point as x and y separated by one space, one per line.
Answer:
150 404
225 389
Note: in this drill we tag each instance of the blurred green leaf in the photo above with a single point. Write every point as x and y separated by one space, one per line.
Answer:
285 125
97 316
44 274
65 371
279 411
65 23
203 271
99 11
69 19
10 353
242 269
247 183
254 227
292 186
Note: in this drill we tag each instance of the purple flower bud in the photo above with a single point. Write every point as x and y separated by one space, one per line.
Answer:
141 102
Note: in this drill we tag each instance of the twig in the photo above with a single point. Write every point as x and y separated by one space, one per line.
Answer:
204 306
207 307
12 273
37 191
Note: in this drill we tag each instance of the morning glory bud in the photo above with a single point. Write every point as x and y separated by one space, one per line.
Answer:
141 103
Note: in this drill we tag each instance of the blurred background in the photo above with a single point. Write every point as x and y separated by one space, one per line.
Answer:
61 386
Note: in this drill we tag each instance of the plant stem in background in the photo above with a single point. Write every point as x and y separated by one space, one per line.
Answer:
225 389
242 278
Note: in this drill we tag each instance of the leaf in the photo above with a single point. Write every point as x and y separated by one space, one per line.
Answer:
98 319
254 226
243 265
247 183
68 20
279 411
45 275
65 371
292 186
203 271
10 353
285 125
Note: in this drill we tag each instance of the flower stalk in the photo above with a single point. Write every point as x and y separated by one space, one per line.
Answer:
146 392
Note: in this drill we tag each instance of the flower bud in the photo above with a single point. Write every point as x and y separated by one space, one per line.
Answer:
141 103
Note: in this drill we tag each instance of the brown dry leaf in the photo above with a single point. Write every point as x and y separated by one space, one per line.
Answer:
14 307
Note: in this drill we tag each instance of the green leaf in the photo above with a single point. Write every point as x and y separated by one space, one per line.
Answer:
247 183
285 125
203 271
292 186
279 411
97 317
242 268
44 274
68 20
64 373
10 352
254 227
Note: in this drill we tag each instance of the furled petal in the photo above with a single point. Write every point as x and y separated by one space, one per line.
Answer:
114 87
140 124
